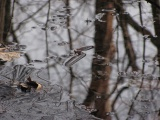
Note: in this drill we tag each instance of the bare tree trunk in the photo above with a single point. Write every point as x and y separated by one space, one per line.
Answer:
2 18
5 21
8 19
128 44
156 18
127 39
99 88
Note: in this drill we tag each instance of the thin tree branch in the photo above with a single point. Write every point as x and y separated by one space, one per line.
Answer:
144 40
70 46
15 39
46 37
30 16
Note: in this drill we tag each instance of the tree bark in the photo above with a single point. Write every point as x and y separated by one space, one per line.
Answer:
2 18
123 18
99 88
156 18
7 20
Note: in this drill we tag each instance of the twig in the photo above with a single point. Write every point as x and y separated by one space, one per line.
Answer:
70 46
46 37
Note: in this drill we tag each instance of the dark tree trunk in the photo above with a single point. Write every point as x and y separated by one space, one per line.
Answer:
156 18
2 18
123 18
5 21
99 88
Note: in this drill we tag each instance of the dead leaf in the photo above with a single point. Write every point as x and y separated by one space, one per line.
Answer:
2 49
8 56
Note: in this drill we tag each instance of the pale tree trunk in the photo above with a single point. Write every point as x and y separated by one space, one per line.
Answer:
99 89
